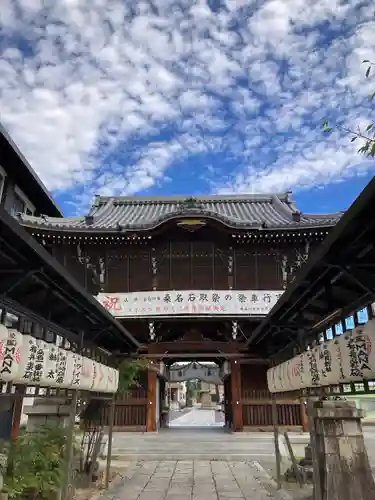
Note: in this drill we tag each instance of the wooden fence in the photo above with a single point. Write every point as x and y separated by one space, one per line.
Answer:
257 410
130 411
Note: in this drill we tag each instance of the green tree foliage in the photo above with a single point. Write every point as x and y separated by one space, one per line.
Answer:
35 464
129 372
365 136
193 387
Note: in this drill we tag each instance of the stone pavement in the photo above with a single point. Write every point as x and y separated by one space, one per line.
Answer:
198 417
191 480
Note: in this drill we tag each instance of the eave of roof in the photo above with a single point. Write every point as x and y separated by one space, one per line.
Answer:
243 212
355 230
31 250
27 179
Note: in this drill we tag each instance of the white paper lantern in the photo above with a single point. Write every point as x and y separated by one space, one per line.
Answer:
111 381
87 374
312 367
107 378
95 380
102 379
77 371
96 377
280 369
296 373
287 376
330 362
271 380
324 363
116 382
41 362
28 351
65 369
10 353
281 377
365 345
3 342
275 378
351 365
306 380
52 361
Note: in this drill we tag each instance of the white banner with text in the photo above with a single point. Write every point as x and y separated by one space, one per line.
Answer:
190 302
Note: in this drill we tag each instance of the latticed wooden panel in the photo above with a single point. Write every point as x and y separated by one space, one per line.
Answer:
288 415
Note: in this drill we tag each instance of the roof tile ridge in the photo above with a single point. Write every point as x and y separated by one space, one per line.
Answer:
245 198
286 207
176 199
98 209
43 219
324 215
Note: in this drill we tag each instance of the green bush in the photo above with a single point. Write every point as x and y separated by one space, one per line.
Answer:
36 463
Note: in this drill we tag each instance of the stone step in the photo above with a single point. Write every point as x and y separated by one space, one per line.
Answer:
233 457
210 451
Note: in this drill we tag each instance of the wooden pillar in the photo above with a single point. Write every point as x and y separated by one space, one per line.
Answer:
237 424
304 416
151 400
17 411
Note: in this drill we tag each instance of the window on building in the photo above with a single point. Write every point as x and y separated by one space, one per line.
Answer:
21 204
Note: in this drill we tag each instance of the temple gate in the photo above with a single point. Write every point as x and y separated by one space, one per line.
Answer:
191 279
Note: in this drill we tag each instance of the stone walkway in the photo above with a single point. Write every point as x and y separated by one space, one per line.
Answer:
197 417
190 480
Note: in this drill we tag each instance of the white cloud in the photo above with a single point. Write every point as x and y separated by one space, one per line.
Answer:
108 95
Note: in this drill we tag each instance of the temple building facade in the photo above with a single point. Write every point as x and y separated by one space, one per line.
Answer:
190 278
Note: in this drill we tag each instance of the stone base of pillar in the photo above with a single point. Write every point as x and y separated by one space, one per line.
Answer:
345 471
305 468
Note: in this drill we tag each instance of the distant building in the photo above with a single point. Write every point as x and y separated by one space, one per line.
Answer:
177 395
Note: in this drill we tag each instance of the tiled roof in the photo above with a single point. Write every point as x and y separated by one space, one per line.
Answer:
274 211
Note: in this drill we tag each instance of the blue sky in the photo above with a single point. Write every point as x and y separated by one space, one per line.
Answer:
188 97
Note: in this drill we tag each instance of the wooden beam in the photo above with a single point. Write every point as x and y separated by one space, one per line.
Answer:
193 355
193 346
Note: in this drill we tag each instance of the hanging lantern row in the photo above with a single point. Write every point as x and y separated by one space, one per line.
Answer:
344 359
26 360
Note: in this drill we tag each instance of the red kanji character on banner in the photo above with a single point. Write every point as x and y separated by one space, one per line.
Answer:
112 303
